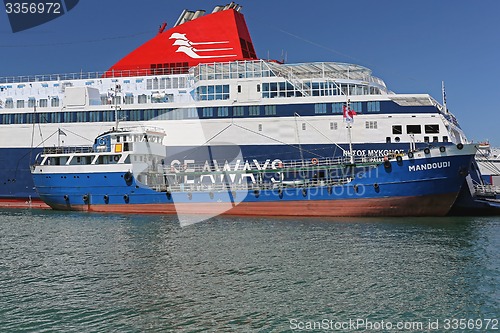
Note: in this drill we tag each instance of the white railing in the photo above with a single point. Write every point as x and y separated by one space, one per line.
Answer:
486 190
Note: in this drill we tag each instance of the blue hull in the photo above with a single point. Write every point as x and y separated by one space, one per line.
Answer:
409 187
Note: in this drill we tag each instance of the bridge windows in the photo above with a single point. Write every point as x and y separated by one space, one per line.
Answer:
210 93
413 129
397 129
431 129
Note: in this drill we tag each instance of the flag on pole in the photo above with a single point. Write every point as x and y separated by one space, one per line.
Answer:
61 132
348 114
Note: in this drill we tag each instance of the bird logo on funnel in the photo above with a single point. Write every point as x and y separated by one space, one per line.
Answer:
200 50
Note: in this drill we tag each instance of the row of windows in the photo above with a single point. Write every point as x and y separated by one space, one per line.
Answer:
416 129
104 100
193 113
204 93
310 88
20 104
215 92
426 139
338 108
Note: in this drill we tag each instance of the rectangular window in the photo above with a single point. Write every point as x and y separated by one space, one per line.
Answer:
431 129
371 124
260 127
356 106
9 103
239 111
270 110
20 104
95 116
54 102
397 129
254 110
81 117
320 108
192 113
31 102
333 126
445 138
129 99
135 115
30 118
44 103
303 126
208 112
337 108
413 129
223 111
373 106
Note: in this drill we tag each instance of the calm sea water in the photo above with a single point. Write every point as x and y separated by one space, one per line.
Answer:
79 272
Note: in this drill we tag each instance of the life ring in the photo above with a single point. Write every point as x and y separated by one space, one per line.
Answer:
427 151
314 161
116 158
460 146
128 176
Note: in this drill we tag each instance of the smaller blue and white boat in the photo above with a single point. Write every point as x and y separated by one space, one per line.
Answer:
130 171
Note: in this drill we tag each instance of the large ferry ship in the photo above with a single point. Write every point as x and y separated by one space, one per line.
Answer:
202 83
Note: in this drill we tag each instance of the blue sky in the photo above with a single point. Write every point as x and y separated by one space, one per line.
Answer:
411 45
